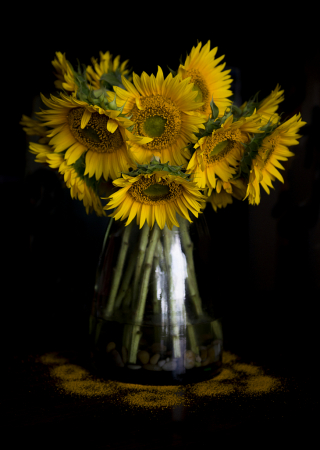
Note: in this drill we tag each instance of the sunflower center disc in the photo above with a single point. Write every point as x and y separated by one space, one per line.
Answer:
219 148
90 134
159 119
156 190
154 126
265 153
200 86
95 135
200 95
221 144
152 191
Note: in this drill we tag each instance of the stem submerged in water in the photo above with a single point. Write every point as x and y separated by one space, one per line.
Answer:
118 272
126 278
141 300
140 258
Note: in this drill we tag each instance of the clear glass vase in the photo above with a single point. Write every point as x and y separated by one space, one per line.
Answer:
153 318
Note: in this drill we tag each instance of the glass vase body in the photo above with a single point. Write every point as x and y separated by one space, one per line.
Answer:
153 317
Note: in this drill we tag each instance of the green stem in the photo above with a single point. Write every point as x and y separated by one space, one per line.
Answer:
217 329
147 271
128 298
133 342
191 280
141 299
193 340
118 272
141 254
172 301
107 234
100 268
126 278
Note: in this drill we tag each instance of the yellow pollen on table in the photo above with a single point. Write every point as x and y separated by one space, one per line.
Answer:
152 191
159 119
95 136
236 378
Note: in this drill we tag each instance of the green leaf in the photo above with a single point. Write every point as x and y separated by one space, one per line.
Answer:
219 147
113 105
225 117
235 110
214 109
156 166
131 128
174 72
112 79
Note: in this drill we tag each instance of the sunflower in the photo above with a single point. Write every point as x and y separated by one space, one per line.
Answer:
274 148
155 196
208 77
164 114
34 128
268 106
225 191
106 65
78 184
80 128
80 190
64 74
45 155
218 154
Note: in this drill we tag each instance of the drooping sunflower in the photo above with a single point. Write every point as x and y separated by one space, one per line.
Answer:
267 107
164 114
64 73
218 155
79 188
106 65
155 196
79 128
224 193
209 78
274 148
34 128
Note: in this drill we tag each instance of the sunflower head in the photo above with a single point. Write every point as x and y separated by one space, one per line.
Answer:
208 78
218 154
82 187
224 193
34 128
155 192
165 117
266 158
266 108
107 72
79 128
65 74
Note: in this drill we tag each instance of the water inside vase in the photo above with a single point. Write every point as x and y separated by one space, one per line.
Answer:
152 354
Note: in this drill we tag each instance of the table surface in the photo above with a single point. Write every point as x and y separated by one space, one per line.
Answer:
34 403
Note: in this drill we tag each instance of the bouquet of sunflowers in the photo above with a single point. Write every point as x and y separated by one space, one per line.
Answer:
169 145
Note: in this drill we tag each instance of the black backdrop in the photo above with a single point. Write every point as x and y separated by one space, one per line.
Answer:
266 267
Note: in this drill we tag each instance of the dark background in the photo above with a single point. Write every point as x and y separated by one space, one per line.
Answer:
265 270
